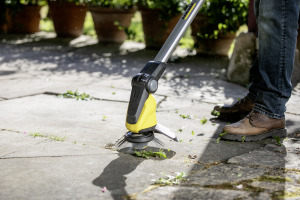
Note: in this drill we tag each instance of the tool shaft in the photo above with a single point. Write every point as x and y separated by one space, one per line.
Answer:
177 33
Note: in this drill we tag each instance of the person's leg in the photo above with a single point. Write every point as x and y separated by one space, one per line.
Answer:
271 76
277 34
241 108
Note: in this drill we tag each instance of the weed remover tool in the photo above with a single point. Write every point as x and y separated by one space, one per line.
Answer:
141 114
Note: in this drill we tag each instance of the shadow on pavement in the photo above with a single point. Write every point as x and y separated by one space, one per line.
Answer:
114 174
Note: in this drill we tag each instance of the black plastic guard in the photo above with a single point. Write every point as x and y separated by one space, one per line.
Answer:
139 94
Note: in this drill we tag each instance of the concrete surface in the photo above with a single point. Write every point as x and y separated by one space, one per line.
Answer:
57 148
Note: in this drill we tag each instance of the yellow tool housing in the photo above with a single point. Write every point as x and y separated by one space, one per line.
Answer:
147 118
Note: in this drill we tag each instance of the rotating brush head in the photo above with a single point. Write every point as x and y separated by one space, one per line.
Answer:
132 142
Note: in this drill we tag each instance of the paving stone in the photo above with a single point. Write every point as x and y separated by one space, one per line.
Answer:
222 173
269 186
79 168
80 176
23 145
269 156
90 122
171 192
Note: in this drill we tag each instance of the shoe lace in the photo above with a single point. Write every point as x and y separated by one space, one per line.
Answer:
253 115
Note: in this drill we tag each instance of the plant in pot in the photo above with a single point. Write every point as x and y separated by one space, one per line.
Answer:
68 16
21 16
159 19
111 19
215 26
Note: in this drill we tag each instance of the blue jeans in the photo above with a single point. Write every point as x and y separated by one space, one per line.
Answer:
271 73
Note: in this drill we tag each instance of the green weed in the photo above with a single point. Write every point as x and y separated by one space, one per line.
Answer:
36 135
76 95
278 140
243 138
273 179
172 180
220 135
215 113
146 154
56 138
185 116
203 120
52 137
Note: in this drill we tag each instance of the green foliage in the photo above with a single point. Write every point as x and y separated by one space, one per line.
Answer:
25 2
88 27
135 30
73 1
168 8
112 3
222 16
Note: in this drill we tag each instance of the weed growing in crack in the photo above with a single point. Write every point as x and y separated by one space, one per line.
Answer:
287 194
56 138
278 140
37 135
52 137
220 135
243 139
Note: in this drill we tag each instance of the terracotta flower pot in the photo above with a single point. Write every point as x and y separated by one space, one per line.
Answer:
68 18
218 46
110 23
24 20
156 30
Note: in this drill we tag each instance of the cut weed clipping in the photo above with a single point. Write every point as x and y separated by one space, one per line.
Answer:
76 95
146 154
172 180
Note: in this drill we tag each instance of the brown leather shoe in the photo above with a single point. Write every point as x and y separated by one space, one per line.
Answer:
234 112
256 126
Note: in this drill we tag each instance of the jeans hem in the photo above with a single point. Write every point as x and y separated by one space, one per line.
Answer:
272 115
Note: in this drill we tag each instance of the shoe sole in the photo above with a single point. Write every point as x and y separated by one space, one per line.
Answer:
281 133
